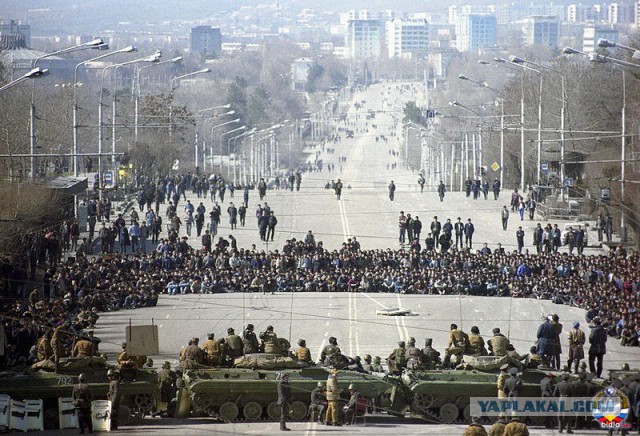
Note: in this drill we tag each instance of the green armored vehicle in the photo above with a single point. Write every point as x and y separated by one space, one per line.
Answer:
444 395
250 394
138 397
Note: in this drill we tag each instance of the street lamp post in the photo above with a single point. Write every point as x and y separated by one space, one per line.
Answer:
221 140
96 43
172 87
237 120
137 91
128 49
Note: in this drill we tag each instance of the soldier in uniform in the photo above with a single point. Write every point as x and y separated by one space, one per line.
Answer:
376 366
580 388
557 346
127 364
329 351
83 348
284 400
497 429
193 355
43 347
235 347
516 428
476 343
475 428
458 341
513 386
576 346
332 417
318 403
303 354
502 377
183 350
413 355
563 390
431 356
397 360
166 387
56 344
212 351
351 408
366 366
114 396
498 343
81 400
547 387
269 341
250 340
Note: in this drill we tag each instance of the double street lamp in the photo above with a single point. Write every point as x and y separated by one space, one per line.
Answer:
127 49
96 43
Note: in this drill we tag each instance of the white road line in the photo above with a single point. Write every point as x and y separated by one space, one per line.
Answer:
402 319
350 323
375 301
355 323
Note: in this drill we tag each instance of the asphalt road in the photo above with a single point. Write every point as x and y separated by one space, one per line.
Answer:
366 212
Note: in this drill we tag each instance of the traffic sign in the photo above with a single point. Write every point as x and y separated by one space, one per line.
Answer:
568 181
108 179
544 168
495 166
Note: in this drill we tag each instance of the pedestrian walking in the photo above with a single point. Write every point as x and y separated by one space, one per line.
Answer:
504 214
520 238
392 190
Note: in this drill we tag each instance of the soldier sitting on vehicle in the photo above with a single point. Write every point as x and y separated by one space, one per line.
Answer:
431 356
269 341
397 360
303 354
414 356
212 351
458 343
329 350
318 403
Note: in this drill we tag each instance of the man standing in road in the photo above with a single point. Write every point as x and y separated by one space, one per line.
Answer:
459 231
114 396
441 190
598 347
504 214
402 227
576 346
271 226
417 228
284 400
332 416
519 238
337 188
435 230
469 230
392 190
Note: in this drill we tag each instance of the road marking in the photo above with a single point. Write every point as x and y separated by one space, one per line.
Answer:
402 318
350 324
167 317
355 323
375 301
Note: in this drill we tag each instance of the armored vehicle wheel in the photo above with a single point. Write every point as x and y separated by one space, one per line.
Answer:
298 410
202 400
466 413
273 411
144 402
51 418
228 411
252 411
449 413
422 402
124 415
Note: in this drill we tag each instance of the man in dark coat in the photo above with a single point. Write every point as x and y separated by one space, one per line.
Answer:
82 398
284 400
250 340
546 337
598 348
564 390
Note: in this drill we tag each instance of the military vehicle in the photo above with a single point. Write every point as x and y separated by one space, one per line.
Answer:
443 396
234 394
138 397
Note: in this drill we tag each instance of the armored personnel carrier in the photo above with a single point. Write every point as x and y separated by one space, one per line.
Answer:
444 395
250 394
44 383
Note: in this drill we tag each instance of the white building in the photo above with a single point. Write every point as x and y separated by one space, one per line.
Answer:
542 30
621 13
475 31
592 34
637 14
300 69
579 13
407 38
364 38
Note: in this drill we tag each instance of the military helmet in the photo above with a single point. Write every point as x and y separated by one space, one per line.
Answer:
149 361
302 343
333 340
475 330
428 342
454 326
412 341
367 357
270 328
211 335
124 345
376 359
166 365
625 367
351 387
194 340
230 331
320 384
401 344
249 326
81 377
113 373
513 371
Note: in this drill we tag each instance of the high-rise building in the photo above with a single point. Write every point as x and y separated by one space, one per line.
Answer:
364 38
14 34
542 30
637 14
579 13
207 41
475 31
407 38
620 13
592 34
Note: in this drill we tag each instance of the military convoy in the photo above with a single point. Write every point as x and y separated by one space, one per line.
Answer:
138 397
